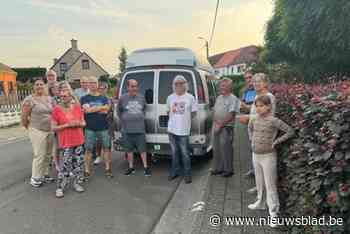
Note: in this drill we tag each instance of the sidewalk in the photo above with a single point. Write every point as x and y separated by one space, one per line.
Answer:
12 133
228 197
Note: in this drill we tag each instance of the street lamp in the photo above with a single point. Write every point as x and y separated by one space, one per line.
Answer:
206 45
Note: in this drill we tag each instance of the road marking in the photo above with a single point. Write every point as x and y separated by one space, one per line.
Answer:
15 140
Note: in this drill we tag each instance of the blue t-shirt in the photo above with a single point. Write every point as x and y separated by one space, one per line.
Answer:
249 96
95 121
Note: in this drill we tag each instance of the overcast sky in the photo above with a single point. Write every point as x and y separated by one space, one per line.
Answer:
33 32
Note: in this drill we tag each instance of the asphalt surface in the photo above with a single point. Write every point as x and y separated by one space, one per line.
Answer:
124 204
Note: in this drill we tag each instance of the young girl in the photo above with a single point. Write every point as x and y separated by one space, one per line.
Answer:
264 128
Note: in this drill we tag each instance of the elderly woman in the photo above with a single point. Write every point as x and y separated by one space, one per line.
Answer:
36 115
182 106
68 122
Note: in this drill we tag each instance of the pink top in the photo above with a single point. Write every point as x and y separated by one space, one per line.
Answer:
68 137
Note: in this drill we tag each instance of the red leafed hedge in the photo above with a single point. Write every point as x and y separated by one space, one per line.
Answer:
314 167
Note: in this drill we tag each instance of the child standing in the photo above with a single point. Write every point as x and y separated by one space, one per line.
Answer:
264 128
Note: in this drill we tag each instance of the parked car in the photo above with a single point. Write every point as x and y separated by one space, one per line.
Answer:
155 69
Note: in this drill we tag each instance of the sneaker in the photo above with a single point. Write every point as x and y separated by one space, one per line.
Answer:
274 221
59 193
48 179
108 173
36 183
249 173
98 160
147 172
129 171
78 188
227 174
170 178
256 206
252 190
215 172
86 176
188 179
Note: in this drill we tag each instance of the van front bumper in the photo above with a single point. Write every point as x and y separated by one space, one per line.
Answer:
164 148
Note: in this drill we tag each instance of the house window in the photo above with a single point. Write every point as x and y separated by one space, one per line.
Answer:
63 67
85 64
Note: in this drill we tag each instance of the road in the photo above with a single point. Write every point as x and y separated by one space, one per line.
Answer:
124 204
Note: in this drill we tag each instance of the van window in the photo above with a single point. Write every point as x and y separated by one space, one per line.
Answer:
200 90
145 81
166 84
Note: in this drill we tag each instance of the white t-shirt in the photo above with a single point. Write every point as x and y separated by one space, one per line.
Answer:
180 108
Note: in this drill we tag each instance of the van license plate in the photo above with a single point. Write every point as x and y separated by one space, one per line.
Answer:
156 147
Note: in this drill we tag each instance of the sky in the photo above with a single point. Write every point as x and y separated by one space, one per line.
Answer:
34 32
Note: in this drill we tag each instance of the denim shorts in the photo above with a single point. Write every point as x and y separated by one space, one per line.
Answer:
91 138
134 142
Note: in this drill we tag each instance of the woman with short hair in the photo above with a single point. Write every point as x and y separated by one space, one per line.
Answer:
68 122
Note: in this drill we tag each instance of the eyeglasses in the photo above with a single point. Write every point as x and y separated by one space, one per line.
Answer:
180 83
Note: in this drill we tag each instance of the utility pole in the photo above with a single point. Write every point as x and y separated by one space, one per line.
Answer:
206 45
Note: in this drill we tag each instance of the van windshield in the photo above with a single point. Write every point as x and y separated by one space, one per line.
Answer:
166 84
145 81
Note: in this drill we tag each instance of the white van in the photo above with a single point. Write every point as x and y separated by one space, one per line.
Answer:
154 69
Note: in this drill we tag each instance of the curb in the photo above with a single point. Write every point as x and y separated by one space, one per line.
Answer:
184 211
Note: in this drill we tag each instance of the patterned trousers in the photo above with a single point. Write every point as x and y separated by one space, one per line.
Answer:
70 165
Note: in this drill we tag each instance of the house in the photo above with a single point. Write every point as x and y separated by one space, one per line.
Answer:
7 79
74 64
234 62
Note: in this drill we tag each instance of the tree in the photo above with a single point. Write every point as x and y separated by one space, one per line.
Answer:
122 59
30 73
313 36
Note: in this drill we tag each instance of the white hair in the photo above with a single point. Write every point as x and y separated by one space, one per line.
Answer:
180 78
262 77
51 72
227 81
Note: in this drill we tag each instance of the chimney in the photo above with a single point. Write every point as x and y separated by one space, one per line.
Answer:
55 60
74 44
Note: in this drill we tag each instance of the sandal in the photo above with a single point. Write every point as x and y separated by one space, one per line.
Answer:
108 173
86 176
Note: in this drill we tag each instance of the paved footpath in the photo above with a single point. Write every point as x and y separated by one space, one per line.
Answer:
228 197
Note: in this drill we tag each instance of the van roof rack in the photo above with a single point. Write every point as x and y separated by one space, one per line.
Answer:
168 56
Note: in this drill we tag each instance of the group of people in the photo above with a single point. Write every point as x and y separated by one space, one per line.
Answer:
74 126
65 128
263 136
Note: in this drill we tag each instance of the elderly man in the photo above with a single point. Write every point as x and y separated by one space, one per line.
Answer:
182 107
84 88
131 112
51 78
225 109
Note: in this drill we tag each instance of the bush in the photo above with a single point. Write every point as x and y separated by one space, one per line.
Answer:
314 167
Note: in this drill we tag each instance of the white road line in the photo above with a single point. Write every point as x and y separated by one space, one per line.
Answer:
15 140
